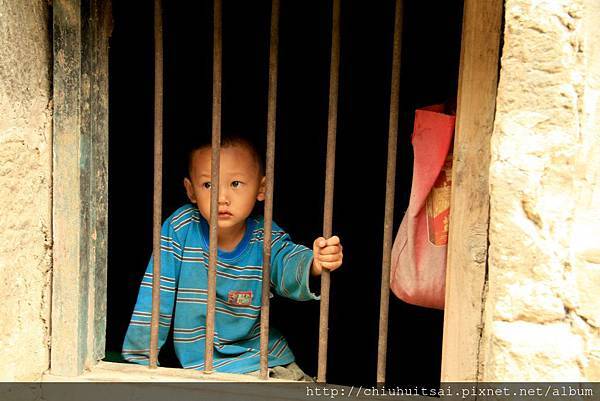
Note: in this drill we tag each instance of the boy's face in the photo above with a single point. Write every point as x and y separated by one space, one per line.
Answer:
240 184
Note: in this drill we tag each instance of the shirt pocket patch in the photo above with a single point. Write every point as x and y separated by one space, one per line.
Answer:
239 298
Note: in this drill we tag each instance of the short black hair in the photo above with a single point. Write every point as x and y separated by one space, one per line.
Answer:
227 141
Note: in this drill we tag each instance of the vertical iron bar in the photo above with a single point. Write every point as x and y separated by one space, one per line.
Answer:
157 207
270 173
389 196
214 190
329 180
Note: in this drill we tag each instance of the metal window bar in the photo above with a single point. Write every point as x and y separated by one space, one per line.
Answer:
389 195
329 186
157 206
329 180
270 173
214 188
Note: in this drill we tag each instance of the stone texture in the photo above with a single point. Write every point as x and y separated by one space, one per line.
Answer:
529 351
25 188
542 308
531 301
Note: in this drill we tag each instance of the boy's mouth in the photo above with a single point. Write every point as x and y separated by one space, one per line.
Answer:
224 214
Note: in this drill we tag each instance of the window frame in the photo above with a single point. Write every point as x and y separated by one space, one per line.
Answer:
468 244
81 31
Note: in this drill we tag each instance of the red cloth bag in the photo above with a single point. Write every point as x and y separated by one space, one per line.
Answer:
418 268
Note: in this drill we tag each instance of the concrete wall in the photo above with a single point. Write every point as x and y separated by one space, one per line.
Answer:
25 188
542 309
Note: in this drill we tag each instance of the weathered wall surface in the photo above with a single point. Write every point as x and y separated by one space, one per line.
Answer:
25 188
542 310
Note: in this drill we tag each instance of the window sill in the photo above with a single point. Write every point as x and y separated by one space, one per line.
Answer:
182 384
122 372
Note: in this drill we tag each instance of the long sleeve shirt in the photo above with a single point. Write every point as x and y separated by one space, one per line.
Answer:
183 295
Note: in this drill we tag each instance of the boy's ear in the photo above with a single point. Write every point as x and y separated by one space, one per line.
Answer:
261 189
189 189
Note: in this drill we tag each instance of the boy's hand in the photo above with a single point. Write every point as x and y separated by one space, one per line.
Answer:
327 254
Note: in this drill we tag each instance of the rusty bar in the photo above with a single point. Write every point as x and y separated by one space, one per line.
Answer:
214 190
329 180
157 207
388 221
270 173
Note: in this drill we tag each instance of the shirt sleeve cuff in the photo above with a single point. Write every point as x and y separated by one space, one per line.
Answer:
313 284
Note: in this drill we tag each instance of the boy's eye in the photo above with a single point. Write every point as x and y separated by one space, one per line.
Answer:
206 185
236 184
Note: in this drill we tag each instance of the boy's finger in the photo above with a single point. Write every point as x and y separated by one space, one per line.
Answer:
330 265
320 242
330 258
330 250
335 240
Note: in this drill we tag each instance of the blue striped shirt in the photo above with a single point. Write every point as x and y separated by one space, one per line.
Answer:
183 295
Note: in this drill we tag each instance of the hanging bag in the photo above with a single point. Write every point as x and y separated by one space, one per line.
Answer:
418 270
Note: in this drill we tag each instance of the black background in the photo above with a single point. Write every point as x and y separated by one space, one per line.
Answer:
430 54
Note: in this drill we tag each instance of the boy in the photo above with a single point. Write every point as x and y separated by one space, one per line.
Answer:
184 268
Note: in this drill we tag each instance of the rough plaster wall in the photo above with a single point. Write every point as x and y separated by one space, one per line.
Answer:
25 188
542 310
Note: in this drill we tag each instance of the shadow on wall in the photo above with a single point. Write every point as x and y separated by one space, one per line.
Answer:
429 74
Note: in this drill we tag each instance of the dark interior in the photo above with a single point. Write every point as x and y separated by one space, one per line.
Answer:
430 56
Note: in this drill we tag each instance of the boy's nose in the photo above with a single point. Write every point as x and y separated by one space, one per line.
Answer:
223 198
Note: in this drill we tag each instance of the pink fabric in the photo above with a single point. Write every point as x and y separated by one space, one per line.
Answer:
418 270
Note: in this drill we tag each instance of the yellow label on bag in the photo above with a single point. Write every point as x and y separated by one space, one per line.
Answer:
438 205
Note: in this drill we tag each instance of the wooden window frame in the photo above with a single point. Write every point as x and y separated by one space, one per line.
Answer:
81 30
466 271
